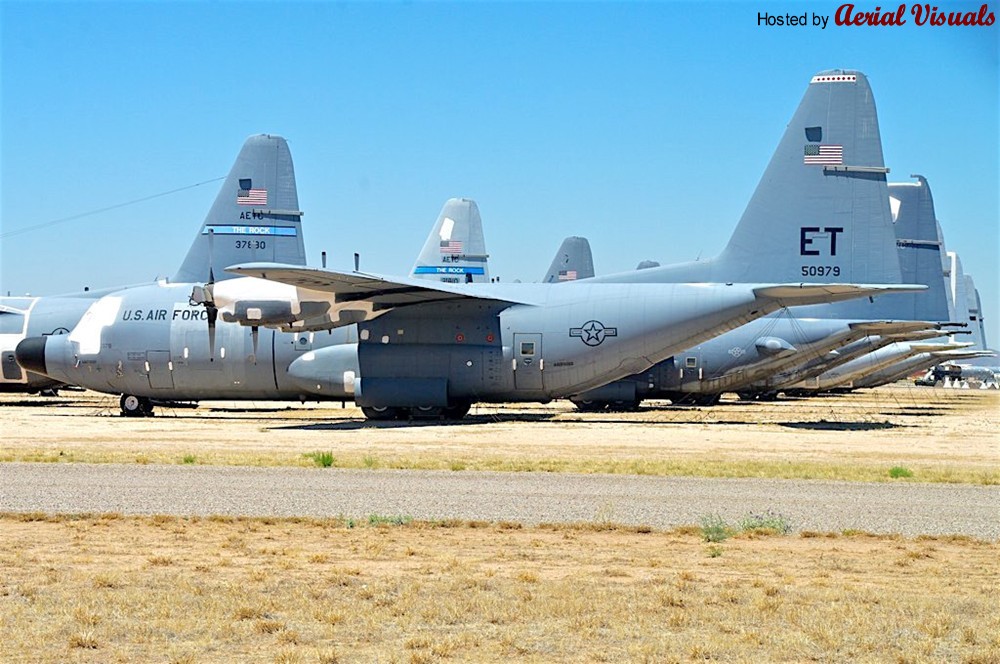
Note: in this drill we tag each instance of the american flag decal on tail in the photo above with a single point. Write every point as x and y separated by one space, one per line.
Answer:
251 197
567 275
453 247
824 155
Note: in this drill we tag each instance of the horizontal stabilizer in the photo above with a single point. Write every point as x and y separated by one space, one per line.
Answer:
799 294
913 335
934 348
964 354
884 327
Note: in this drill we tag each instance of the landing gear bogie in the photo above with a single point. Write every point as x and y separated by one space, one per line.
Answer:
133 406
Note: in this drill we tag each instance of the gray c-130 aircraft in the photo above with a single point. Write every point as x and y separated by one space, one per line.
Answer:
421 348
173 353
259 220
820 212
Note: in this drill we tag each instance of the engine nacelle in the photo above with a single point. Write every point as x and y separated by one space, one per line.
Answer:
774 347
331 372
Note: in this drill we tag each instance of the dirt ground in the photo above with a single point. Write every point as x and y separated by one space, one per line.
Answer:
946 435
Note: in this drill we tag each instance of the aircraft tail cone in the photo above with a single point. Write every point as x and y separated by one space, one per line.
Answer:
30 354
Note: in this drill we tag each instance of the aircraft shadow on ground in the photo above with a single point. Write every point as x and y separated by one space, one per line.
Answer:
470 420
919 411
824 425
38 404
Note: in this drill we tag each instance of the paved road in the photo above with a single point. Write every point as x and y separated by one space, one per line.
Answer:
662 502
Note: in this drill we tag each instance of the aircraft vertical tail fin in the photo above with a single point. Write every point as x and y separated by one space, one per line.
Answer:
455 250
572 261
959 299
919 249
821 210
254 218
975 315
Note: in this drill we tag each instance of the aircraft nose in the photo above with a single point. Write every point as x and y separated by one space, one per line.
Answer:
30 354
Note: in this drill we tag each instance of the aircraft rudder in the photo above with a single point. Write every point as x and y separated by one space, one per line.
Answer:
455 249
255 216
573 261
820 211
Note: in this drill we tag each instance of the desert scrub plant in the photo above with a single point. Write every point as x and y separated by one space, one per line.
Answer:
321 459
714 528
765 522
382 520
900 471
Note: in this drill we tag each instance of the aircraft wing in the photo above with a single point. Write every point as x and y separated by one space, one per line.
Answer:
383 293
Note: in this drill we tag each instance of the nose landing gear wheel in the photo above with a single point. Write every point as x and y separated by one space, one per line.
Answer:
133 406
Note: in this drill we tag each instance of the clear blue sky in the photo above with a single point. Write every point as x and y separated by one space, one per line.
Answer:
643 127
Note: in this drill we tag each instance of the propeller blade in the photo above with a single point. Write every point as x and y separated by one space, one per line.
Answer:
213 315
255 336
211 255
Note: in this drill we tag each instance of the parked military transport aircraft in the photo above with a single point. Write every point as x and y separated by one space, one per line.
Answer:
182 348
259 221
820 212
421 347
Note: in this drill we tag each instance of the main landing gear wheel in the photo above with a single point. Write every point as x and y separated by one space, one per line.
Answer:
694 399
380 412
133 406
456 411
426 412
588 406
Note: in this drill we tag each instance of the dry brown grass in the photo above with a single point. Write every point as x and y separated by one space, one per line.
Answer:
109 588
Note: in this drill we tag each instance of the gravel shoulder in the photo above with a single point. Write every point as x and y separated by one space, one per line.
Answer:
530 498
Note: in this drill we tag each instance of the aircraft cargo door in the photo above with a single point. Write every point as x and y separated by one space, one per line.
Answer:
528 362
159 369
